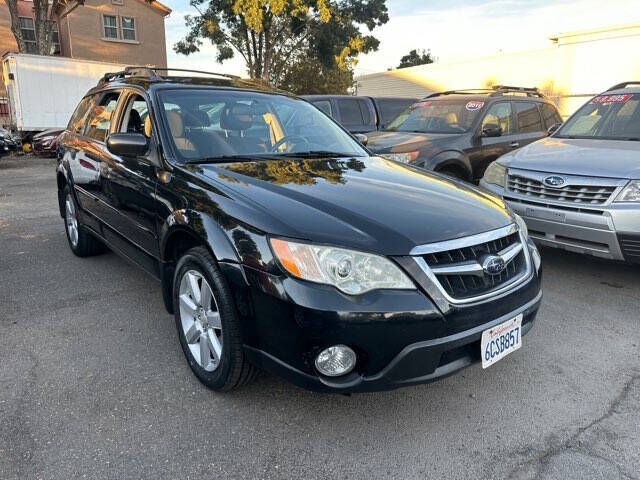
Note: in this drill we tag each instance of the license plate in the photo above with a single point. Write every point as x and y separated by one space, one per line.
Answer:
501 340
546 214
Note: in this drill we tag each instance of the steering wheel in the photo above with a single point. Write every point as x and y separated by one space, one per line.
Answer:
288 138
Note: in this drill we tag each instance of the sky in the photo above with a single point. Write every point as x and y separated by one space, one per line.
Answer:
451 29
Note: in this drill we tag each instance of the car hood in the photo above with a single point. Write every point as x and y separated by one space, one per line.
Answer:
371 204
599 158
385 142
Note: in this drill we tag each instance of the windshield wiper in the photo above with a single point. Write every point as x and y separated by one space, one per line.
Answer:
228 158
317 154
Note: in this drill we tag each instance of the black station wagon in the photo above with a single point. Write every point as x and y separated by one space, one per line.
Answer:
282 244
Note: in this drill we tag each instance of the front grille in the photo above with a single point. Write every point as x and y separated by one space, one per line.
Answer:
630 246
468 285
579 194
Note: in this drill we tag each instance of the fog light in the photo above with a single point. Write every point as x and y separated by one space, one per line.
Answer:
336 360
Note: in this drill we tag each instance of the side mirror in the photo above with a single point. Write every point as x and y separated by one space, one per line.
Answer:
128 144
553 128
363 139
492 130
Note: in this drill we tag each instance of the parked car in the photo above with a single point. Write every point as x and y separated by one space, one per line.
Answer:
9 142
459 133
360 115
46 143
579 189
281 244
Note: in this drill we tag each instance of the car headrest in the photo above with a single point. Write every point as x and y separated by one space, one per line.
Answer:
135 122
236 117
176 124
196 118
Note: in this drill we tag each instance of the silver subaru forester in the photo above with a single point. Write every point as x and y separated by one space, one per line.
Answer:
579 189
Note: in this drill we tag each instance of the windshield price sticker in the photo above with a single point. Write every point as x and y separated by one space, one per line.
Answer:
607 99
474 105
420 104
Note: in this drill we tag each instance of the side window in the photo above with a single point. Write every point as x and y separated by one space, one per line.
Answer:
550 115
499 114
350 113
366 113
99 121
528 118
136 117
77 119
325 106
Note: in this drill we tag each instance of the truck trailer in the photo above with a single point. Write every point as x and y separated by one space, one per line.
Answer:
43 91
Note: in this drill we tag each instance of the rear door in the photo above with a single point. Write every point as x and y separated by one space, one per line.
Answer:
529 123
357 115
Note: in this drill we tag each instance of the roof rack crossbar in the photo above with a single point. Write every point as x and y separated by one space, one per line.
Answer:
152 73
623 85
493 91
459 91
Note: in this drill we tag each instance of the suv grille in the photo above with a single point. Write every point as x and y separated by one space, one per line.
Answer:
583 194
459 271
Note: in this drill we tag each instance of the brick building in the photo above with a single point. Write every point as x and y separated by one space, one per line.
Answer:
122 31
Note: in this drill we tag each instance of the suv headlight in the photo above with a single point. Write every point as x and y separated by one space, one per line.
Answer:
495 174
631 193
352 272
404 157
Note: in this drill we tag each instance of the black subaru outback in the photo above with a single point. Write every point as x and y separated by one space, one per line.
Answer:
461 132
282 244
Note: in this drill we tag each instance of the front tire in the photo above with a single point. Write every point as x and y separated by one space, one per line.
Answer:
81 242
208 324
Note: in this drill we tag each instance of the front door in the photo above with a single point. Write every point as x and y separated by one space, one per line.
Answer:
129 187
499 114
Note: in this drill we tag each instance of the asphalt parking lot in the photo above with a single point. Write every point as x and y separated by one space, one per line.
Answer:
93 383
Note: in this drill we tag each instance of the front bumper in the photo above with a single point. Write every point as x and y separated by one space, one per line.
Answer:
401 338
610 230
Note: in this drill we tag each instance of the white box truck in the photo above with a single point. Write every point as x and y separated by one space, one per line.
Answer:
44 91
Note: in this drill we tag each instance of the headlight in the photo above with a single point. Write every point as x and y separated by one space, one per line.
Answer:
495 174
522 225
404 157
352 272
631 193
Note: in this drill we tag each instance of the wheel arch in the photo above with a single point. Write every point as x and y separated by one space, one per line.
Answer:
452 159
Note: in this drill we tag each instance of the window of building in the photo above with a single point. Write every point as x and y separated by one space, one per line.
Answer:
528 117
55 39
117 2
28 30
110 26
4 106
128 25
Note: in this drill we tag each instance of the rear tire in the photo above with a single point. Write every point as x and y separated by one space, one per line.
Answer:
81 242
208 324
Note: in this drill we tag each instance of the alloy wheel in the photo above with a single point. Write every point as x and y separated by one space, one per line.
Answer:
71 220
200 318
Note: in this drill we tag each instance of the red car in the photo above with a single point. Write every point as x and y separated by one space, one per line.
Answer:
46 143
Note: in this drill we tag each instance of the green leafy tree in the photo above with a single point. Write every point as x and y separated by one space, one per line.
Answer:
274 36
416 57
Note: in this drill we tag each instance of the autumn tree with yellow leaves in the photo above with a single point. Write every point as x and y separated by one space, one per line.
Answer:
275 36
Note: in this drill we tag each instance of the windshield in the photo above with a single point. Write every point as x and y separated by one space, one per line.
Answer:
438 117
210 125
613 117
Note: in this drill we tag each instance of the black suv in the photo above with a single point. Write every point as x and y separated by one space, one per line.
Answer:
461 132
282 244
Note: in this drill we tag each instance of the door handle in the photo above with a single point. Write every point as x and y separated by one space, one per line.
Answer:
514 144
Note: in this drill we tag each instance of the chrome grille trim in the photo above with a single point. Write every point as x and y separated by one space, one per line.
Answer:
436 289
576 191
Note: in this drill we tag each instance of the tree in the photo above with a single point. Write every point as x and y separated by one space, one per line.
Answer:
310 76
44 18
416 57
273 35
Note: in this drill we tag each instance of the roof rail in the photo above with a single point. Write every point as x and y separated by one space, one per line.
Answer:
493 91
152 73
623 85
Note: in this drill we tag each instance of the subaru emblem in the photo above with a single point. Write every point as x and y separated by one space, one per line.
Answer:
554 181
493 265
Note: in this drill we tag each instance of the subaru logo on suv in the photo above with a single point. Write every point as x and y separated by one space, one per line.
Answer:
493 265
554 181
